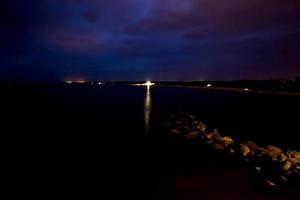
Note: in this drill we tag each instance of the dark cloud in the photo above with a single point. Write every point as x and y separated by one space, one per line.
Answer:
158 39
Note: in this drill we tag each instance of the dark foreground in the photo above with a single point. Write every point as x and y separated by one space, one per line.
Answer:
84 141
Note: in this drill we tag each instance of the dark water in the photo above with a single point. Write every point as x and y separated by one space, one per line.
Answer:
110 139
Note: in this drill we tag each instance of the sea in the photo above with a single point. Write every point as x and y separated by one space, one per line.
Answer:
110 141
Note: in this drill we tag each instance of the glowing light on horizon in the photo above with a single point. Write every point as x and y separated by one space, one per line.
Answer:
69 82
246 89
208 85
148 84
100 83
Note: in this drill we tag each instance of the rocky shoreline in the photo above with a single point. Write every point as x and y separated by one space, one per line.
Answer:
273 167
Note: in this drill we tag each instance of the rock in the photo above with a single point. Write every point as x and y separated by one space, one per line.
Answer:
258 169
294 154
191 135
274 149
260 150
283 179
245 150
227 141
201 127
270 186
175 132
273 152
286 166
282 157
208 136
252 145
219 146
232 151
294 161
178 122
192 117
216 135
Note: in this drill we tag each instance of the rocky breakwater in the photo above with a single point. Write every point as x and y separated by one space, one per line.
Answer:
274 168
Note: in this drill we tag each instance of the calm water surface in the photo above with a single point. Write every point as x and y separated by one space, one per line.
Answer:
114 135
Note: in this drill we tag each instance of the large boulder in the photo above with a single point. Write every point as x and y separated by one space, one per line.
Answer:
270 186
191 135
245 150
293 154
286 166
226 141
201 127
273 152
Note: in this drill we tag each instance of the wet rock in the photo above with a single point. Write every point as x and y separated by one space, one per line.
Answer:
179 122
286 166
262 151
273 152
232 151
293 177
282 157
219 146
192 117
245 150
175 131
274 167
293 154
226 141
252 145
283 179
208 136
216 135
258 169
191 135
201 127
270 186
294 161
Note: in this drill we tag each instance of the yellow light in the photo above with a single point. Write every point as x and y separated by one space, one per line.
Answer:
148 84
147 110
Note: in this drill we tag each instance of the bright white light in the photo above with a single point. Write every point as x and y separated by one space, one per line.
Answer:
99 83
208 85
69 82
148 84
246 89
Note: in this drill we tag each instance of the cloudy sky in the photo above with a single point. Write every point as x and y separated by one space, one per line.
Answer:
149 39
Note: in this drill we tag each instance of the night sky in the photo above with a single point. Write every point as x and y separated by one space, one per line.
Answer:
149 39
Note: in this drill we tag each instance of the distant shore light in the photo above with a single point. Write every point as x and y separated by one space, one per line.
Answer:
100 83
69 82
148 84
246 89
208 85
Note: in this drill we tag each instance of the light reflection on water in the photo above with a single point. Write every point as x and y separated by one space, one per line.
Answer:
147 109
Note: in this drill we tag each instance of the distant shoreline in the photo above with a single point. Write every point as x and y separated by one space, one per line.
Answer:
252 91
159 84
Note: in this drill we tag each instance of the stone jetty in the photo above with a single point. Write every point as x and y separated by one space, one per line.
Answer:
274 167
